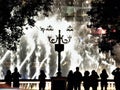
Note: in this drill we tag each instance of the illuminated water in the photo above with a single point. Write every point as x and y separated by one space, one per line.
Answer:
35 52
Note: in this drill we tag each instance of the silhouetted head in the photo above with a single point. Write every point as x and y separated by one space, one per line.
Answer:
8 72
42 71
117 68
70 72
77 68
86 73
93 72
104 71
16 70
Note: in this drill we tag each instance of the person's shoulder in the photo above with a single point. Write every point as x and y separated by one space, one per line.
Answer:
74 72
80 73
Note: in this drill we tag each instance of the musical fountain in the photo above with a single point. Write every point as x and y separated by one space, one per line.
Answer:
35 52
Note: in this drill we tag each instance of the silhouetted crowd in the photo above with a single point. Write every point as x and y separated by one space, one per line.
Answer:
74 79
91 80
88 80
13 77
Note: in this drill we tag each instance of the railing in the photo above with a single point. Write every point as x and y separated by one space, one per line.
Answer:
34 85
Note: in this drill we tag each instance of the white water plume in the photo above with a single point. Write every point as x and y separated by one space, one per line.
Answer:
35 52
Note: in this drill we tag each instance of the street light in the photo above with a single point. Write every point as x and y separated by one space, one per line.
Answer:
60 46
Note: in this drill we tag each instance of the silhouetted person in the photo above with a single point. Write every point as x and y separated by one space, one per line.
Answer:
104 77
116 74
8 78
42 77
15 76
86 80
70 79
77 79
94 80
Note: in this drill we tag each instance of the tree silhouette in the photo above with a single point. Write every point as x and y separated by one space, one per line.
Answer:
106 14
14 14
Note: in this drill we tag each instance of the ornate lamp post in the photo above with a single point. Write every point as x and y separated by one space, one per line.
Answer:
59 47
59 82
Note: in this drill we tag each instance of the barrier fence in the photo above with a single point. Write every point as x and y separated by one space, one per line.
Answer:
34 85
